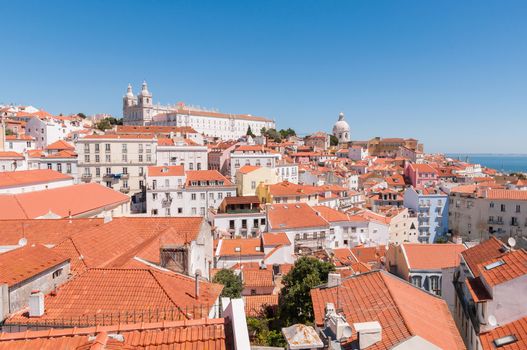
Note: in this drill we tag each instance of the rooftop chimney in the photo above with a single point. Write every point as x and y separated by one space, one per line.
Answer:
333 280
369 333
196 277
36 304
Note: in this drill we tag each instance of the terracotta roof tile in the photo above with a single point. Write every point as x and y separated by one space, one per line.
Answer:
330 214
484 251
131 293
177 335
432 256
511 265
29 177
517 328
206 175
291 216
62 201
20 264
258 278
60 145
499 194
275 239
402 310
255 305
10 155
240 246
247 169
173 170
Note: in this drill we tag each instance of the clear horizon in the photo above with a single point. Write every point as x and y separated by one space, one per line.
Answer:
451 74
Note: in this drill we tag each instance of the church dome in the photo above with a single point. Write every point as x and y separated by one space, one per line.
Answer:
341 126
144 90
129 92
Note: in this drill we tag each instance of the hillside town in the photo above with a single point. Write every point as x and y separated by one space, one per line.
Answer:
181 227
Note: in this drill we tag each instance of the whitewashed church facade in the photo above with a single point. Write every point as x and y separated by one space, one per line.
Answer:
140 110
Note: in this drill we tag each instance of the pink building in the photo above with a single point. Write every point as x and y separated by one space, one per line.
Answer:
421 174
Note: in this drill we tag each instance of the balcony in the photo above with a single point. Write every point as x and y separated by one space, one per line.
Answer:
125 176
86 177
124 189
108 177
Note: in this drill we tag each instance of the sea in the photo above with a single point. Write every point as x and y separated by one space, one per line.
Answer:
506 163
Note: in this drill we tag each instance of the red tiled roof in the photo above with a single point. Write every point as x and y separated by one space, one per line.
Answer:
486 250
173 170
20 264
369 255
132 292
247 169
199 334
62 201
29 177
258 278
514 265
402 310
275 239
206 175
432 256
517 328
60 145
22 137
132 129
120 136
290 189
241 246
42 231
423 168
291 216
11 155
255 305
343 257
499 194
330 214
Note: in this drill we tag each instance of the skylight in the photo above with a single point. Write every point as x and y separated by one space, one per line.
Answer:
506 340
494 264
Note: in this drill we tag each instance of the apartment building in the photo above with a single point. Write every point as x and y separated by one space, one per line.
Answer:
255 155
479 212
491 297
181 151
172 191
431 206
238 217
116 161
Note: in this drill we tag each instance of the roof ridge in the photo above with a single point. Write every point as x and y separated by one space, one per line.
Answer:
166 293
15 196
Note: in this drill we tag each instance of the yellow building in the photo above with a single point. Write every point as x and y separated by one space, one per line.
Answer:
249 177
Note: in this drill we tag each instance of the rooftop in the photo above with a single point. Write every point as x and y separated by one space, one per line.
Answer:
30 177
432 256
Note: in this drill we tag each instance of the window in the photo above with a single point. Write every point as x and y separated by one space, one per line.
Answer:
108 158
198 166
124 157
140 171
517 208
108 171
154 212
125 170
125 148
502 207
506 340
154 184
140 148
59 167
87 158
154 196
107 147
193 196
68 168
194 211
491 204
434 285
191 166
202 196
97 171
57 273
96 148
50 166
220 195
416 281
141 158
148 158
180 195
97 159
253 185
180 210
202 211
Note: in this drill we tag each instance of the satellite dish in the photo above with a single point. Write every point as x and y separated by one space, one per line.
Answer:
347 332
22 242
492 320
511 242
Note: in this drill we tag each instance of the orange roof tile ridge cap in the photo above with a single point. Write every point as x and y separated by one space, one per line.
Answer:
166 293
78 251
15 196
397 305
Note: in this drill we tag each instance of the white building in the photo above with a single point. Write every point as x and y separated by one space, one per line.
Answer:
341 130
19 143
117 161
238 217
140 110
255 155
12 161
287 172
59 156
45 131
179 151
172 191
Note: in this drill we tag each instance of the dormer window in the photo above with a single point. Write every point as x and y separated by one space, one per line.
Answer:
506 340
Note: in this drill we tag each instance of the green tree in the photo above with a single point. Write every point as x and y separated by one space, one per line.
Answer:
232 284
82 115
9 132
333 140
295 304
104 124
250 132
286 133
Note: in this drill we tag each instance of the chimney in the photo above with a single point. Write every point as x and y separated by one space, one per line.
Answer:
196 278
36 304
333 280
369 333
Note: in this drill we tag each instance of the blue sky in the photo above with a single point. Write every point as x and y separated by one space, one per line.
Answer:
450 73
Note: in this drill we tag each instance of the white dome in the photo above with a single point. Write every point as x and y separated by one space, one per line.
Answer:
129 92
144 90
341 126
